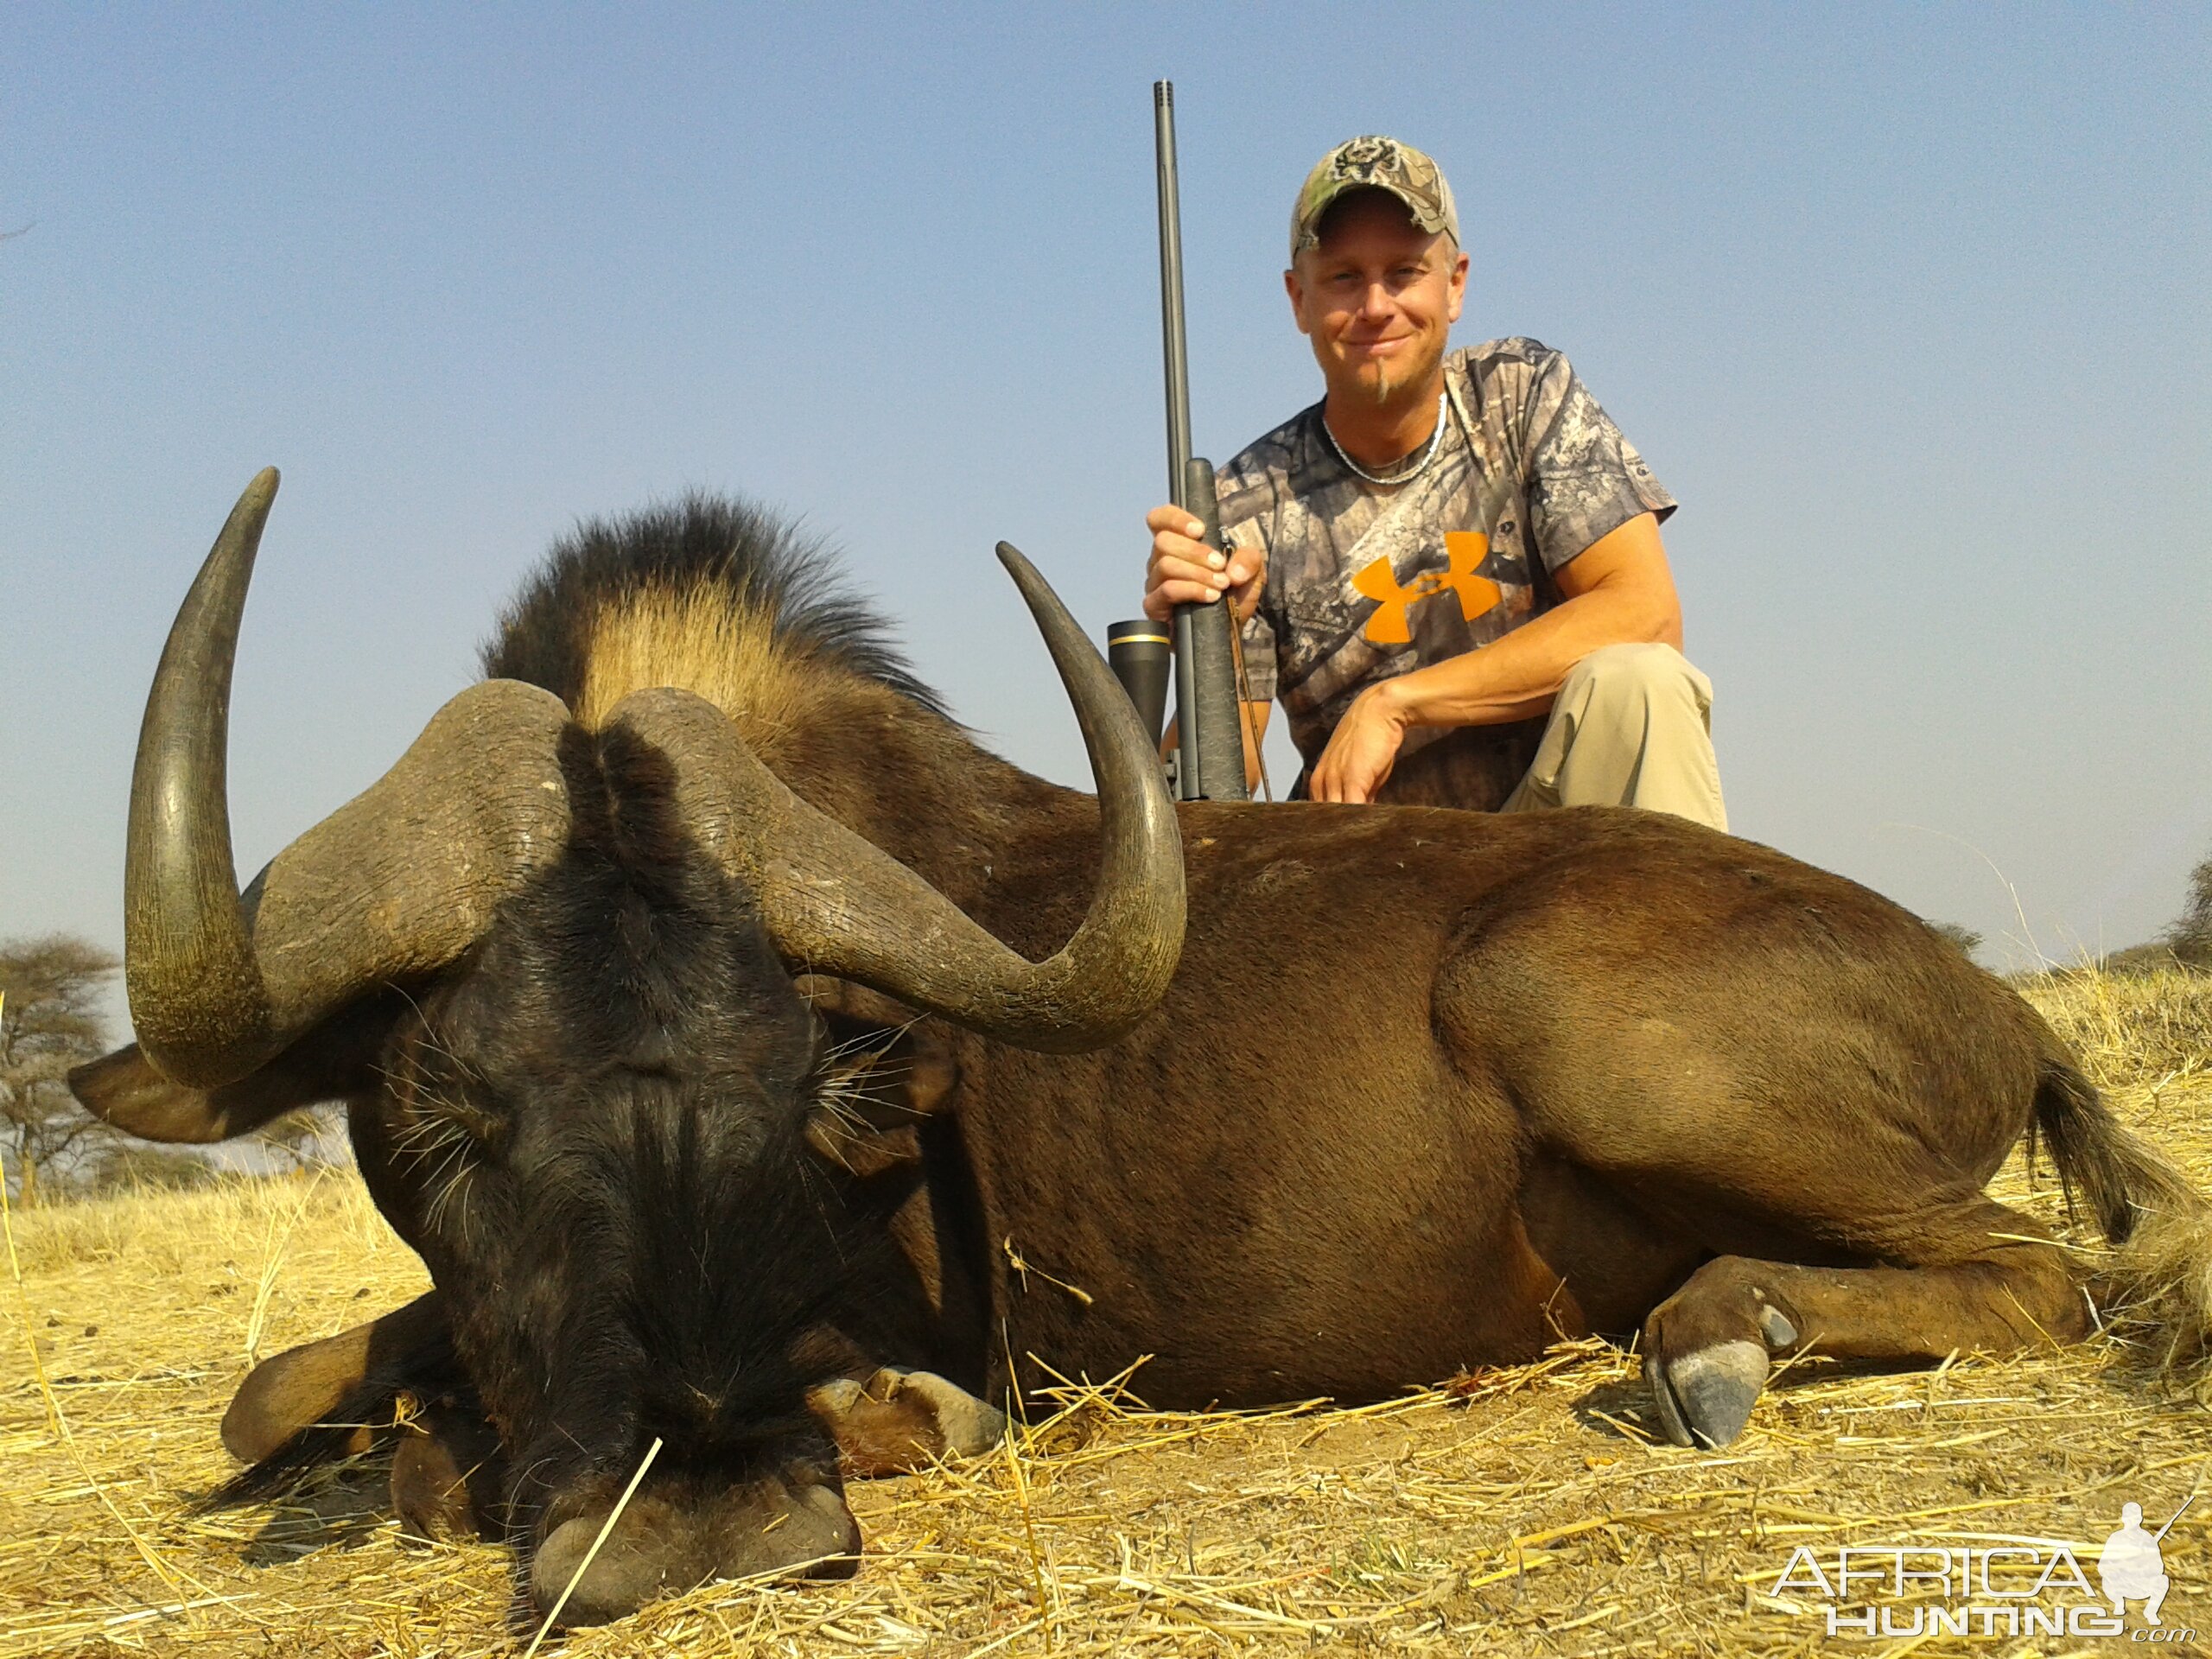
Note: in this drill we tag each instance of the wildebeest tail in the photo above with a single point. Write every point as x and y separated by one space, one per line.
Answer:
2157 1286
2104 1167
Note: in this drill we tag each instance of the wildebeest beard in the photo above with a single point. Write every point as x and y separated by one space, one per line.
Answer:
598 1125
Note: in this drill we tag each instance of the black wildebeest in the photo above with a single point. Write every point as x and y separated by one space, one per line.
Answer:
620 970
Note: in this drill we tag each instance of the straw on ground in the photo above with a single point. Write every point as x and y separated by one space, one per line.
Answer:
1525 1511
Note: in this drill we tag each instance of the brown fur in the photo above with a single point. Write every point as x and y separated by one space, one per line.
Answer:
1593 1029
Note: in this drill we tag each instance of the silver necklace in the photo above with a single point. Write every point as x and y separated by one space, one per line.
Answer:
1390 479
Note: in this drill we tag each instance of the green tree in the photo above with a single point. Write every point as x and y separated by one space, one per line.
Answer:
2191 936
49 1021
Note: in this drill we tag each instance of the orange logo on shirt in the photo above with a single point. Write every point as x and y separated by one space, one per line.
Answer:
1392 623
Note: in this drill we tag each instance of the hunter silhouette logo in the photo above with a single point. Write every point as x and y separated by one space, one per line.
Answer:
1392 623
2132 1567
1986 1585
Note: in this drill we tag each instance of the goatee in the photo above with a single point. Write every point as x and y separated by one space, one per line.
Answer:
1413 381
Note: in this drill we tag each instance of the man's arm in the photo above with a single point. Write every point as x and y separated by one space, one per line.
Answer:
1183 570
1617 591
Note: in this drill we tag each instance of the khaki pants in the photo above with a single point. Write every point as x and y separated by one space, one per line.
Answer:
1632 726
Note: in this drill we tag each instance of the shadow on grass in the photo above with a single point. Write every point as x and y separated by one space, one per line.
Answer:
1621 1410
341 1506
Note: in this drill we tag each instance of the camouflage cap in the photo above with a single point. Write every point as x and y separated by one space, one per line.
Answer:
1374 162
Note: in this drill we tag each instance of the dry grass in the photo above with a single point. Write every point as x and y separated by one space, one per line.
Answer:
1530 1513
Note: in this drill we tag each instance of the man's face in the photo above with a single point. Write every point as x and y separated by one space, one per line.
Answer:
1377 298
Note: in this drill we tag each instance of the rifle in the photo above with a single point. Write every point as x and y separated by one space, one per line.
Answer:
1208 761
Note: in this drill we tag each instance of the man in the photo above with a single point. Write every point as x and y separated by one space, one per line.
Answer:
2132 1567
1449 569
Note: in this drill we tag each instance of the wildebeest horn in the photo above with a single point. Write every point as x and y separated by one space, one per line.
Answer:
396 882
836 904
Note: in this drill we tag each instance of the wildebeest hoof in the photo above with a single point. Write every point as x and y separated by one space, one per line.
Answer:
292 1391
903 1420
1704 1398
967 1426
289 1392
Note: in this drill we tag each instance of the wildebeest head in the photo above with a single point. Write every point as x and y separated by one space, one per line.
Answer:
596 1079
592 1126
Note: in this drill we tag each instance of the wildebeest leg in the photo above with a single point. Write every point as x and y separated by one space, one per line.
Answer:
302 1386
1977 1277
447 1474
903 1420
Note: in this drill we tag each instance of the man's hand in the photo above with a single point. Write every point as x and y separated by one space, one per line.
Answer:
1183 570
1361 750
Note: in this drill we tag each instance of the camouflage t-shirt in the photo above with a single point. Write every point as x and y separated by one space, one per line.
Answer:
1363 584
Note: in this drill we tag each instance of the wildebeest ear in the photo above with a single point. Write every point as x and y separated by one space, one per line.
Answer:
337 1058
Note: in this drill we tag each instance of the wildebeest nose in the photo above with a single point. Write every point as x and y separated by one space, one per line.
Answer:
678 1537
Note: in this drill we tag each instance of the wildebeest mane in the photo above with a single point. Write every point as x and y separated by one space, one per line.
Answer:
714 592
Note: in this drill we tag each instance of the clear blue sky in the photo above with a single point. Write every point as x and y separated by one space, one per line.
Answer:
1907 305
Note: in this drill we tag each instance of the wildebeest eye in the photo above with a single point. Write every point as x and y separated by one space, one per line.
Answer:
486 1130
443 1126
442 1099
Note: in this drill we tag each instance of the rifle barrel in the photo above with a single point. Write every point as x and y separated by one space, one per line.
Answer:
1177 364
2177 1515
1210 743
